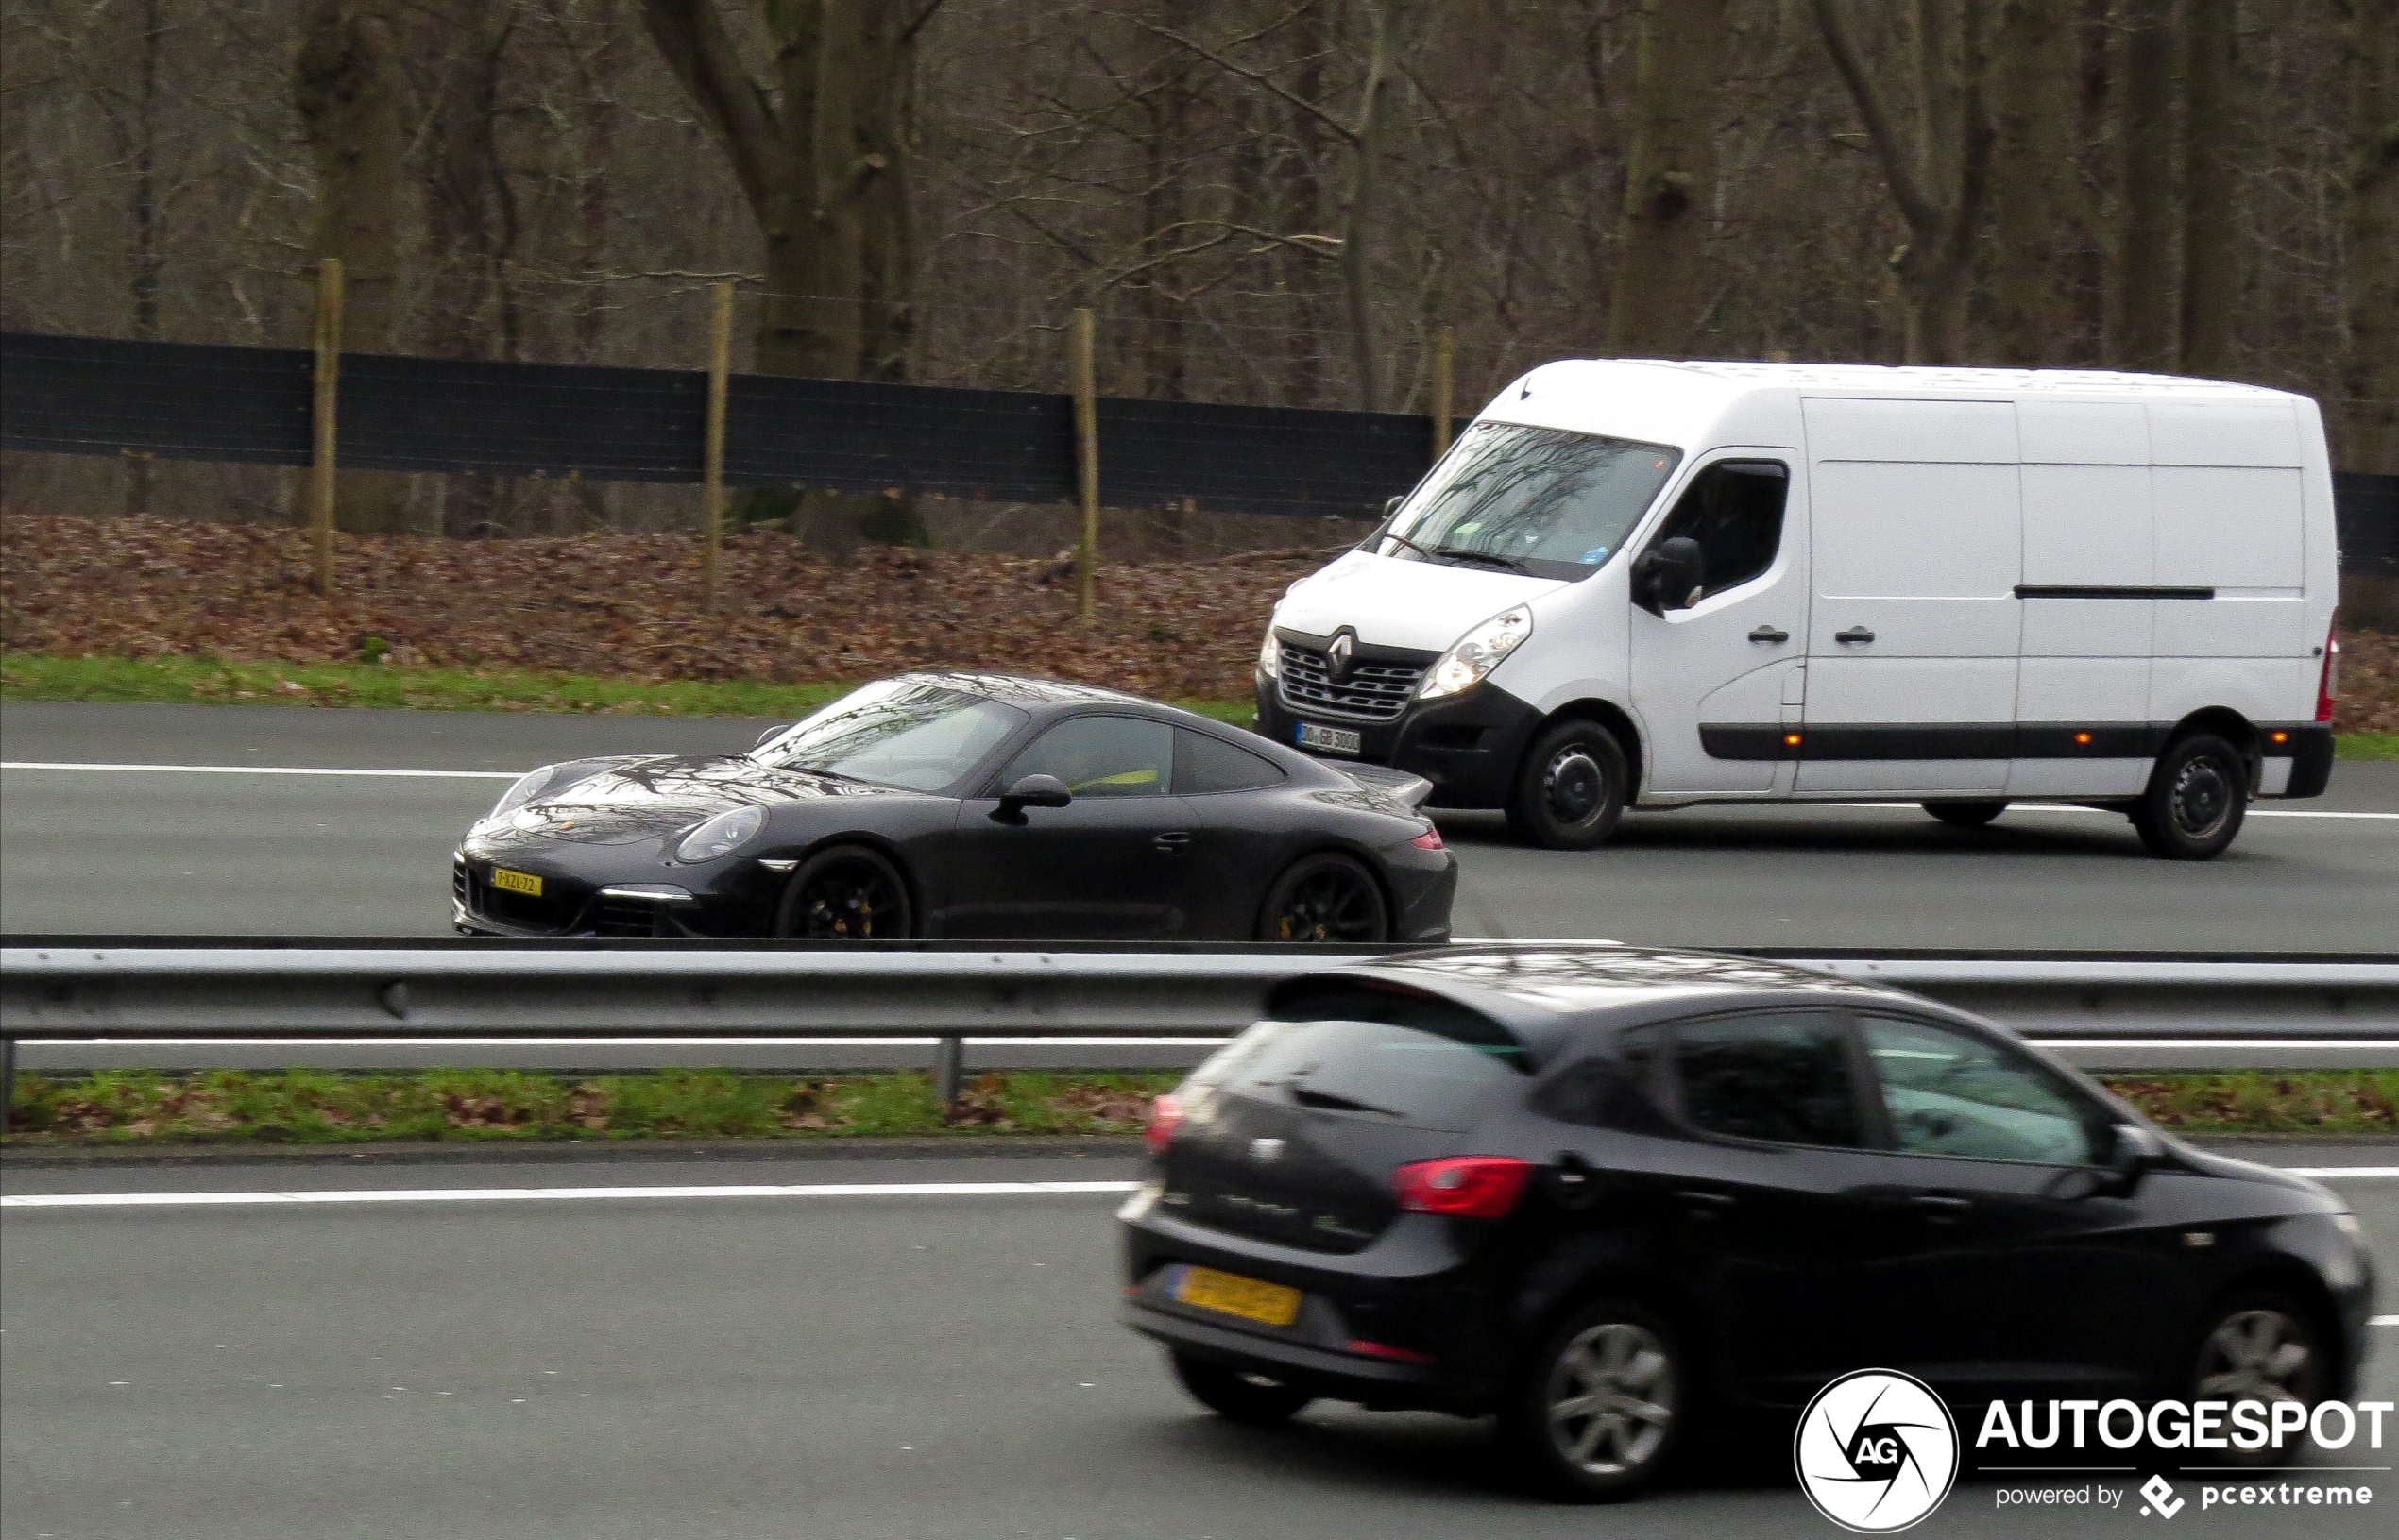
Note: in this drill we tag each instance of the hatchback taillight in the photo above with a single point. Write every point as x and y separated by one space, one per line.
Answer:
1463 1187
1165 1116
2328 682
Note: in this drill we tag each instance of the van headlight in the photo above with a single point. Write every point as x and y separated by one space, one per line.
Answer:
1476 653
526 788
1271 657
721 835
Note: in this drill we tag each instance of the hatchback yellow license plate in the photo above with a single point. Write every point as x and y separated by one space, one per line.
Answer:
516 882
1233 1295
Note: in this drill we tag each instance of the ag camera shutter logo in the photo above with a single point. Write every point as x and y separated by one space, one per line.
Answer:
1877 1451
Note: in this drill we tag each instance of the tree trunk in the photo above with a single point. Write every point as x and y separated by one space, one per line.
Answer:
1664 277
346 84
2214 257
2036 197
147 258
1384 20
2370 418
2145 310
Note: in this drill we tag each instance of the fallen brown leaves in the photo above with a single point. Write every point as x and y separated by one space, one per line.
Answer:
2369 684
623 604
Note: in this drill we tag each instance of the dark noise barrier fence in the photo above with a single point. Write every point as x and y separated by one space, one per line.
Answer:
185 401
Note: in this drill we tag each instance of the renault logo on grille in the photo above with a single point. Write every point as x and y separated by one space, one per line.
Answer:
1266 1151
1336 657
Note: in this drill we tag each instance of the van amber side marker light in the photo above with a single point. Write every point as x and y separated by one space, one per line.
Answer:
2279 737
2082 739
1790 740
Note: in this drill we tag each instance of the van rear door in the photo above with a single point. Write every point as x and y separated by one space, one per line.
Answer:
1912 634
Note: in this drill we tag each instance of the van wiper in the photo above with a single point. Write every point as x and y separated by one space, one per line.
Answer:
1330 1102
1426 553
1508 564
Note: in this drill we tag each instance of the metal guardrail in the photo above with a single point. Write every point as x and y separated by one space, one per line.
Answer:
2156 1010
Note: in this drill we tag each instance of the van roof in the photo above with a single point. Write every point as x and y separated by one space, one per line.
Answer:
1911 381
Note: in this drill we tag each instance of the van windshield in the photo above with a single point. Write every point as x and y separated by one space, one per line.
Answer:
1541 500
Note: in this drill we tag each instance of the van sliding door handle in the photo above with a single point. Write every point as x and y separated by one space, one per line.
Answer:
1855 634
1770 634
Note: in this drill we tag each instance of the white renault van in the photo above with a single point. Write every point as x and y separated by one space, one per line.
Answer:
1666 584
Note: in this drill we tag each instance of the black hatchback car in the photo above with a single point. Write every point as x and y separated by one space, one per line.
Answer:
1613 1195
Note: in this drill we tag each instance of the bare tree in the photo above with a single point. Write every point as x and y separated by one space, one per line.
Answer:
1663 275
2147 314
2371 378
2214 118
1939 181
2038 207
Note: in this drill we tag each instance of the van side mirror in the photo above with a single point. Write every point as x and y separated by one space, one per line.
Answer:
1031 791
1670 575
2135 1151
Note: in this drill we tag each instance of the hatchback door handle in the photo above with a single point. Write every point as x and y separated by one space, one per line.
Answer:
1172 842
1770 634
1940 1207
1855 634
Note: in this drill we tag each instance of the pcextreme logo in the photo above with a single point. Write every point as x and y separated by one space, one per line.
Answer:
1877 1451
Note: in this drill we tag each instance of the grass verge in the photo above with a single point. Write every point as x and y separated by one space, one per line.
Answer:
309 1106
2365 746
28 676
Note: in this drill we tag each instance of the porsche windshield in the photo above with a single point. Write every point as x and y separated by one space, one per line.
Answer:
898 731
1530 499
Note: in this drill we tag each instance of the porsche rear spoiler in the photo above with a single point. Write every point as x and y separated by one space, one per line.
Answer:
1406 789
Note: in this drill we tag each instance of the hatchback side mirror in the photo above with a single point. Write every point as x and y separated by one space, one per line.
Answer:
2137 1150
1670 575
1033 791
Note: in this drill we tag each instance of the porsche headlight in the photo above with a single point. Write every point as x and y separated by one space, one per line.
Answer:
526 788
721 835
1271 657
1476 653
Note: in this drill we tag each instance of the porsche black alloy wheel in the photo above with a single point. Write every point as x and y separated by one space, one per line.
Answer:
1570 790
1594 1412
2259 1346
1253 1400
1966 815
1325 898
848 893
2197 797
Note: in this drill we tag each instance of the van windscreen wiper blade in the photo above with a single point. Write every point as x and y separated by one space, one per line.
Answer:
1410 544
1507 563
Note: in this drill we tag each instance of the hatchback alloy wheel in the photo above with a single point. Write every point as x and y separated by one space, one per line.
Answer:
1598 1414
2262 1346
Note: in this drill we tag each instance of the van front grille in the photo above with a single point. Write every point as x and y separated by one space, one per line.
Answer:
1374 692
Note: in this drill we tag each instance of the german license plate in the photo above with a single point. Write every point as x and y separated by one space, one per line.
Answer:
1338 740
1230 1294
516 882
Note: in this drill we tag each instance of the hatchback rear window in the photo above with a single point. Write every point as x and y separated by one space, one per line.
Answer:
1416 1058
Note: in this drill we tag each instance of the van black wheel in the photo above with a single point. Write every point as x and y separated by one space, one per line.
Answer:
848 893
2259 1344
1325 898
1254 1400
1570 790
2197 797
1596 1410
1966 815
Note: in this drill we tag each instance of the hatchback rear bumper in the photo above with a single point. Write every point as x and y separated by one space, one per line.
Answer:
1344 1376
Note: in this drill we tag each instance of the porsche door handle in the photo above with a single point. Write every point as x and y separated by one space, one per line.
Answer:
1172 842
1855 634
1770 634
1702 1204
1940 1208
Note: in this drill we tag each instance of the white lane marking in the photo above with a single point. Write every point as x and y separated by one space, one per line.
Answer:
263 769
551 1194
2055 807
2336 1172
2382 1320
1217 1041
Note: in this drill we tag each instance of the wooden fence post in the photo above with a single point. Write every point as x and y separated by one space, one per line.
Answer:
1086 467
327 384
1444 356
712 467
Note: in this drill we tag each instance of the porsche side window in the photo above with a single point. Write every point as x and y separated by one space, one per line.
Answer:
1782 1075
1948 1094
1102 756
1204 764
1734 510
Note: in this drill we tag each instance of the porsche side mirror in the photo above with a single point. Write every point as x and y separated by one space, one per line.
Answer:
1670 576
2137 1150
1033 792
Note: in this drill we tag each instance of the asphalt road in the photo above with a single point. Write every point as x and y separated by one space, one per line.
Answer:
127 851
856 1367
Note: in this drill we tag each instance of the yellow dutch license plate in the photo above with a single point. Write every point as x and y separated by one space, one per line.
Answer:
516 882
1233 1295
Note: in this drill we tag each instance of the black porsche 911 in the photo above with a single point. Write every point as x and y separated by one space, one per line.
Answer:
966 804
